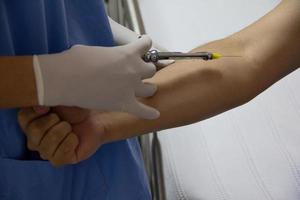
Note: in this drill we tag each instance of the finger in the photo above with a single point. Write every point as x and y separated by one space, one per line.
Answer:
66 152
147 70
141 110
146 90
163 63
38 128
53 139
26 115
41 109
72 115
142 45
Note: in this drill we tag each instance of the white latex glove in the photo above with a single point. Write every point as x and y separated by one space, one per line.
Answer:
123 35
99 78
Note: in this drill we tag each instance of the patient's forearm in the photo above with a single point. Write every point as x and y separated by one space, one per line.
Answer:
273 42
191 91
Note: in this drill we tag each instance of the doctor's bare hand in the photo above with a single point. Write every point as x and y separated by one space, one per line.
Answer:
64 135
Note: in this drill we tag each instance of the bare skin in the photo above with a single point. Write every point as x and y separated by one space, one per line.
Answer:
60 136
17 80
191 91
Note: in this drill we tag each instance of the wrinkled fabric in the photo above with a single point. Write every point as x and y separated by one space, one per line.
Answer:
116 171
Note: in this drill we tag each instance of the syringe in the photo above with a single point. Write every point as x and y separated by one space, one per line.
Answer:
154 56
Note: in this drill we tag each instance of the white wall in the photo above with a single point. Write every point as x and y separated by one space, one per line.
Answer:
184 24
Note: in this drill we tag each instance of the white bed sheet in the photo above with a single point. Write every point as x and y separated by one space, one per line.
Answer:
249 153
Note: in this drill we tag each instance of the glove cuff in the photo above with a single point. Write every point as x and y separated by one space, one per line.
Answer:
38 80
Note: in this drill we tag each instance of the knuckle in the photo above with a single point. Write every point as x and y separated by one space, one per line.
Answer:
66 152
53 117
67 149
58 133
66 126
70 144
37 127
53 138
33 129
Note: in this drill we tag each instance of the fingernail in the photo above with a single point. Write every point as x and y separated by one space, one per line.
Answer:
41 109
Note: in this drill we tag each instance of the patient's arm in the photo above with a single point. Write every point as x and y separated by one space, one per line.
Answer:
190 91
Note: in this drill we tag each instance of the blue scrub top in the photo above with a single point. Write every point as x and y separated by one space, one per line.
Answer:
116 171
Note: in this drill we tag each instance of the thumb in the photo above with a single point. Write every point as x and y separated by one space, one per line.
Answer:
141 46
41 109
163 63
141 110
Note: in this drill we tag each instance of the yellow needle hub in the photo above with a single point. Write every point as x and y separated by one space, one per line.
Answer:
216 56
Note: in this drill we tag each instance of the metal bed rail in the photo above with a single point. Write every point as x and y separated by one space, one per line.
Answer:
127 13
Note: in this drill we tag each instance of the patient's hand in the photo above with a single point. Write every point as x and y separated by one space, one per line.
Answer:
63 136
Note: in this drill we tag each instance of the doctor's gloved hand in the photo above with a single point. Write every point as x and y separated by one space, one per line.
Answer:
123 35
97 78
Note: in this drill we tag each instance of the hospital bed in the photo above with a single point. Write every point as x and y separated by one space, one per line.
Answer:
249 153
